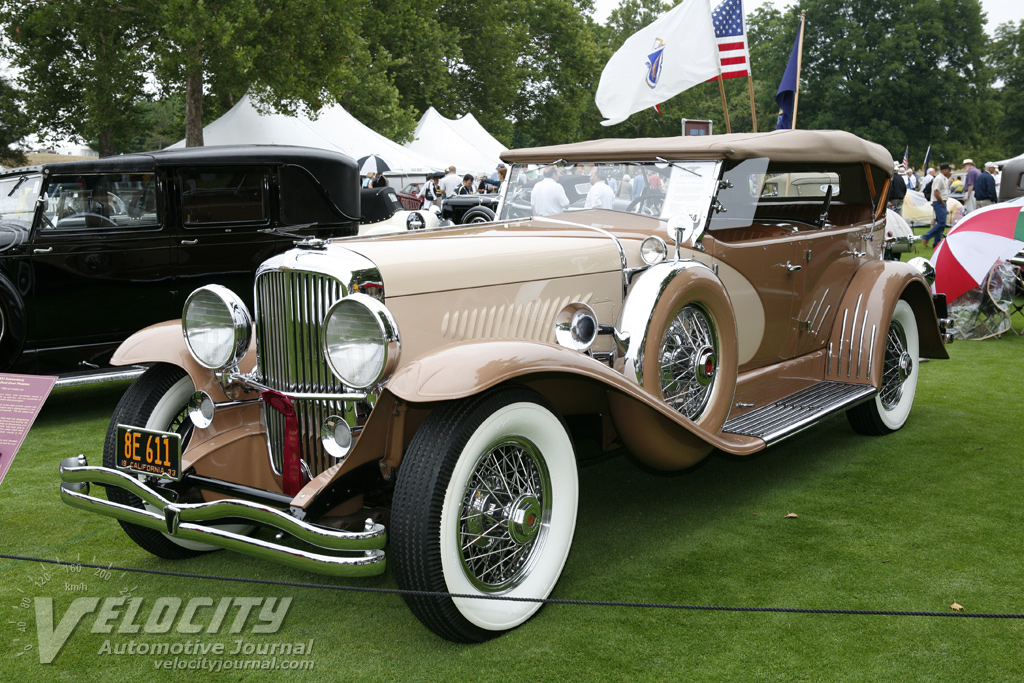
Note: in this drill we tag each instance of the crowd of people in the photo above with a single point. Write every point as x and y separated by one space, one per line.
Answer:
451 184
977 187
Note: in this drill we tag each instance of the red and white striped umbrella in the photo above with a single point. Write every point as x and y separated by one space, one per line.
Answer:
964 258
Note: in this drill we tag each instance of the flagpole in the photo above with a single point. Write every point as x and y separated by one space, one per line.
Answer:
725 107
753 114
799 59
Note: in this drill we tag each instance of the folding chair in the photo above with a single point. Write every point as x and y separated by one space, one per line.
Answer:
1016 307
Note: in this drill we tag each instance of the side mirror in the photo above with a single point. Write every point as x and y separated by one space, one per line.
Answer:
686 230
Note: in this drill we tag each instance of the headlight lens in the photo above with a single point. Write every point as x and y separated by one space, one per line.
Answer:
653 250
217 327
360 341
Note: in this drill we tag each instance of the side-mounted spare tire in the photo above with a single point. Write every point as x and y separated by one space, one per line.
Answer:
13 324
478 214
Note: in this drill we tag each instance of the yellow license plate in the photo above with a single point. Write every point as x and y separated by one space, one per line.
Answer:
149 452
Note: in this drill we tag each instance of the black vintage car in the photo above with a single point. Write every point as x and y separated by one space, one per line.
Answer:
91 251
469 208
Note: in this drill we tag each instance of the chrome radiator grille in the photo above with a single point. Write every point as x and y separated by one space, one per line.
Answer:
290 306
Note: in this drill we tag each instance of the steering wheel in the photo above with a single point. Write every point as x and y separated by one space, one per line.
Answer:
86 215
647 204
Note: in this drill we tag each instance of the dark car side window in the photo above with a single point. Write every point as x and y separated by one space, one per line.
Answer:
101 200
223 196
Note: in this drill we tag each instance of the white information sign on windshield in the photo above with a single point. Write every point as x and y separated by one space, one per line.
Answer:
690 188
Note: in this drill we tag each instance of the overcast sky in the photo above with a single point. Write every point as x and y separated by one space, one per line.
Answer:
998 11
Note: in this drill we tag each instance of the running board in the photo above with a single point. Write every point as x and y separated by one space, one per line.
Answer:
793 414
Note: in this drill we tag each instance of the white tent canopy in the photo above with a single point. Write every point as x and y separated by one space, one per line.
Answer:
334 129
1002 163
461 142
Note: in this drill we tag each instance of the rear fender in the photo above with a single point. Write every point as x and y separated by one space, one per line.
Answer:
857 343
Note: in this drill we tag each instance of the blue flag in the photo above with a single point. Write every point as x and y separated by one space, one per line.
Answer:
787 88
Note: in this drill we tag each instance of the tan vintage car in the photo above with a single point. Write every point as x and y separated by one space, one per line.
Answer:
728 293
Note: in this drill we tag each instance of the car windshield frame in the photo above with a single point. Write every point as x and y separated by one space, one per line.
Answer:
19 195
664 189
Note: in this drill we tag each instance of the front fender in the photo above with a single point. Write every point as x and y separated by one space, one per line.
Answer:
164 343
459 370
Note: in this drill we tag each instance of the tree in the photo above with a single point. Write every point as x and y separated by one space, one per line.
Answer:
13 125
291 57
893 72
1007 59
408 38
86 63
561 65
82 67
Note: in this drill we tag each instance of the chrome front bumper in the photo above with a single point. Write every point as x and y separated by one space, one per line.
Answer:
190 522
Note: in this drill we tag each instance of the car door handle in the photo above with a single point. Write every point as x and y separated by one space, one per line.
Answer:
190 241
47 250
792 268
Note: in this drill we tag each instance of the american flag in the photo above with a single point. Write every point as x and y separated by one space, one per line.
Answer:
732 38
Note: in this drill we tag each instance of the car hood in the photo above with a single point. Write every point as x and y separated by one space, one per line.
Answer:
484 255
12 233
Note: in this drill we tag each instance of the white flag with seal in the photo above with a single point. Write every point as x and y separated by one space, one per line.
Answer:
675 52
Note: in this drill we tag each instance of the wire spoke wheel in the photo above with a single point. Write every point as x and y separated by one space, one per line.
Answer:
897 366
890 407
505 514
688 361
484 506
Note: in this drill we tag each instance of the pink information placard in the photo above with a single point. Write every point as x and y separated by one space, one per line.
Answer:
21 397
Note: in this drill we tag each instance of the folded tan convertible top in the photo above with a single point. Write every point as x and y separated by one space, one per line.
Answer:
834 146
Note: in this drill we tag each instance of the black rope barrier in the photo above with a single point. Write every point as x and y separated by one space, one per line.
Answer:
546 601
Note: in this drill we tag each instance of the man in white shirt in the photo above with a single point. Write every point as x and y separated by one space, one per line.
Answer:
940 195
548 197
450 183
600 195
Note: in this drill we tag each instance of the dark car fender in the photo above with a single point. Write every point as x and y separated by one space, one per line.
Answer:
13 323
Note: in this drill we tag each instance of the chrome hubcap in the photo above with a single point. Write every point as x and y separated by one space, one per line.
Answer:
906 366
688 361
505 512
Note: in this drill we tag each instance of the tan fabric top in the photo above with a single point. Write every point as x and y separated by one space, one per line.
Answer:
834 146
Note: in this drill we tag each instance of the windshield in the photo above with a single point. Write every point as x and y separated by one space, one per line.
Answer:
101 200
18 196
660 190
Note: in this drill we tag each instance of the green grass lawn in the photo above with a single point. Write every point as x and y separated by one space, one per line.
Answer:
914 521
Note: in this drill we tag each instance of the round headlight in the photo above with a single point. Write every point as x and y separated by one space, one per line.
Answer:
217 327
360 341
653 250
